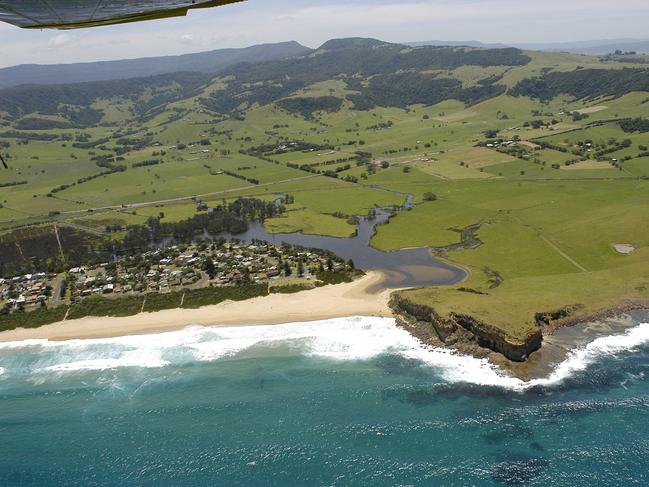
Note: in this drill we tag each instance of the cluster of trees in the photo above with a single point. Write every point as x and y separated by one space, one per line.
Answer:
330 162
82 116
625 57
107 162
587 149
549 145
613 146
75 118
12 183
538 123
36 249
362 159
72 100
230 217
409 88
335 174
307 106
141 236
35 123
103 161
266 150
635 124
577 116
382 125
242 177
127 144
12 134
265 82
252 209
150 162
490 80
584 84
87 144
262 83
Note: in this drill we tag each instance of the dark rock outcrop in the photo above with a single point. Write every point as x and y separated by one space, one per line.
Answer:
549 318
462 331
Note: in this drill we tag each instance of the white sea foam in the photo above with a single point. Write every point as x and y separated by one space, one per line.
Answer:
579 359
354 338
104 364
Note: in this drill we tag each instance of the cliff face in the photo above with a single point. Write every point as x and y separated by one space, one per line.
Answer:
459 329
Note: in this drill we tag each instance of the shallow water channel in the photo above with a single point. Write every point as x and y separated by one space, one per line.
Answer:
402 268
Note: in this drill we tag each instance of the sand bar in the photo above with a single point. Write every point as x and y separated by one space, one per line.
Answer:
335 301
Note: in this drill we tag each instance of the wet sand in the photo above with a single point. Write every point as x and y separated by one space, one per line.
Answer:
363 297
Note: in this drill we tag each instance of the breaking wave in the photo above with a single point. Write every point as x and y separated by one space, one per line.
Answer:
354 338
580 359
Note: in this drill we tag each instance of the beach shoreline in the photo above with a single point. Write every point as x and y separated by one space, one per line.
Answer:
362 297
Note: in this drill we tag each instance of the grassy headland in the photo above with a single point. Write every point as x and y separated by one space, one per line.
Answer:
544 167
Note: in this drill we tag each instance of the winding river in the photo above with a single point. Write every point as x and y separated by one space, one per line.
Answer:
402 268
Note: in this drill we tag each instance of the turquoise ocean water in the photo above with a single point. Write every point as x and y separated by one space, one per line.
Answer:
352 401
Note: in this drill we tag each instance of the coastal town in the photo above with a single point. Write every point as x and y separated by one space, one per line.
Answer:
192 266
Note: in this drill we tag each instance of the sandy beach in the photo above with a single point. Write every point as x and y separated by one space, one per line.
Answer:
357 298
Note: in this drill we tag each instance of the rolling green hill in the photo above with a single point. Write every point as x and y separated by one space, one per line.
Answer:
204 62
545 152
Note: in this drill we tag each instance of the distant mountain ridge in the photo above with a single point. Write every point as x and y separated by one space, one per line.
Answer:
204 62
210 62
594 47
365 73
378 73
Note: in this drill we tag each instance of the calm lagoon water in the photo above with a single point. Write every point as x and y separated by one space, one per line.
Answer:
401 268
354 401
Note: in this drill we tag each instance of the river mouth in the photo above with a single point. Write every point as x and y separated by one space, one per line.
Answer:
405 268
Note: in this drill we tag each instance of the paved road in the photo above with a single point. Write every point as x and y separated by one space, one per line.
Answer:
56 291
127 206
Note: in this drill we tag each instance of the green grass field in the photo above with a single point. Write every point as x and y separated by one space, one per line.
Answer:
551 242
309 222
548 229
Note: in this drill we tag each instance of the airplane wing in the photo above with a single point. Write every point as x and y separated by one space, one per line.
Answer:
76 14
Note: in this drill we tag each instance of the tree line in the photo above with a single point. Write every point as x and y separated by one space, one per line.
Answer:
307 106
403 89
232 217
349 59
635 125
584 84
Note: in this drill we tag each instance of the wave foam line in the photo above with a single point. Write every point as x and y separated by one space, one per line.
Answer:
580 359
353 338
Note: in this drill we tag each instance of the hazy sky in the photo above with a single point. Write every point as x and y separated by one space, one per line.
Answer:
312 22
